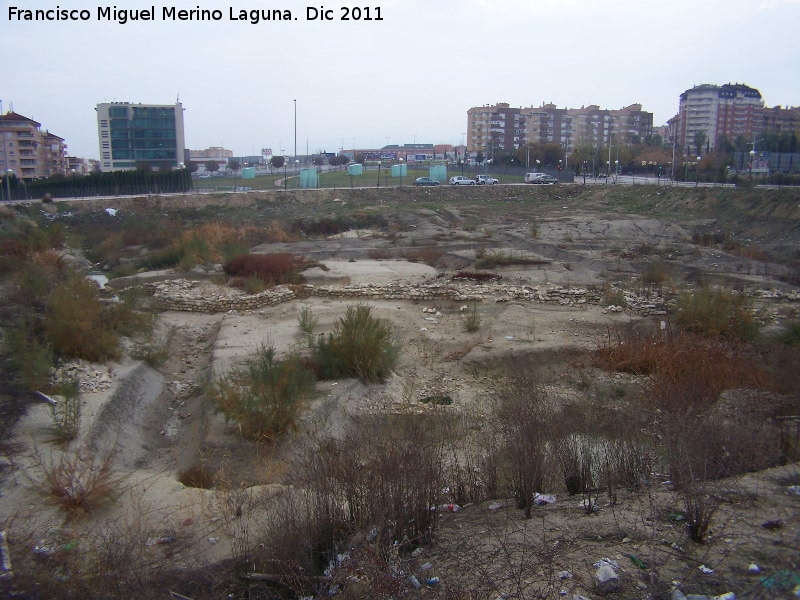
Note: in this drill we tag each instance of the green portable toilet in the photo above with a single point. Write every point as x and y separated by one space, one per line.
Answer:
249 173
355 169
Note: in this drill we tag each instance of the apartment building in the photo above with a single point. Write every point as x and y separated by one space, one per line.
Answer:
501 127
215 153
132 135
29 152
731 110
782 120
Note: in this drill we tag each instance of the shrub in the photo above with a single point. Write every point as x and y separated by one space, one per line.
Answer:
272 269
713 313
503 259
472 319
655 272
66 415
264 397
75 484
307 321
31 357
198 475
477 276
361 346
426 254
77 325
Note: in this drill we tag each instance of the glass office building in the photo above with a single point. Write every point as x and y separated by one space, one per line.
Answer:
133 135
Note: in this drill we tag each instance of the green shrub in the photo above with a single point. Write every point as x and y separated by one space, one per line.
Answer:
77 325
472 319
361 346
31 357
66 415
713 313
307 321
265 396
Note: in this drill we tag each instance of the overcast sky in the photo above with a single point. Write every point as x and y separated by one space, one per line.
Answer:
412 75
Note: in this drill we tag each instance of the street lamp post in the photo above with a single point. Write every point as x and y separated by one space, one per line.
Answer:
284 173
697 172
379 173
752 160
183 177
616 171
295 129
297 172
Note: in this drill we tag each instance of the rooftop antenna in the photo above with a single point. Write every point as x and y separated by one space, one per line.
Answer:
178 99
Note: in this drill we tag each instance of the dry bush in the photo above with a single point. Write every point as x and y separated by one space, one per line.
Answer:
477 276
688 371
717 313
523 416
272 269
75 484
380 253
655 272
77 324
426 254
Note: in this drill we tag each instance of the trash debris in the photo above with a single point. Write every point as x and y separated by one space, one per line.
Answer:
495 506
540 499
415 582
509 337
448 507
166 539
725 596
433 581
705 569
418 552
677 517
794 490
5 557
112 212
677 595
637 561
772 524
754 569
783 581
606 562
565 574
426 567
607 579
213 540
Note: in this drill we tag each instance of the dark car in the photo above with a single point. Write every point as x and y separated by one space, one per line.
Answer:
425 181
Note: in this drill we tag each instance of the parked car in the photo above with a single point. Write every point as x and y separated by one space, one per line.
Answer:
485 180
425 181
461 180
532 177
546 180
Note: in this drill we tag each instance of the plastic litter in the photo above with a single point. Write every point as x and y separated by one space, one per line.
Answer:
606 562
705 569
754 569
447 508
418 552
725 596
415 582
495 506
426 567
112 212
565 574
637 561
794 490
541 499
433 581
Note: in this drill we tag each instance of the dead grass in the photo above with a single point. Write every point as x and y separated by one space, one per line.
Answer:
76 484
426 254
272 269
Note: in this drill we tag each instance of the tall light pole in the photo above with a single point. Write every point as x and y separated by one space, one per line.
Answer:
295 129
9 172
697 172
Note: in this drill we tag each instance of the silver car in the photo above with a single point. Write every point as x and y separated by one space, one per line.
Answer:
461 180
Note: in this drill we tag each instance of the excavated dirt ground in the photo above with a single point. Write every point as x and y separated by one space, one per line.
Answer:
157 423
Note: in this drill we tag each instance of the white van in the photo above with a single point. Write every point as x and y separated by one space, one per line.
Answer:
532 177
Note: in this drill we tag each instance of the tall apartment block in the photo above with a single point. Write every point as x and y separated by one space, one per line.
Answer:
505 128
28 151
716 110
132 135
